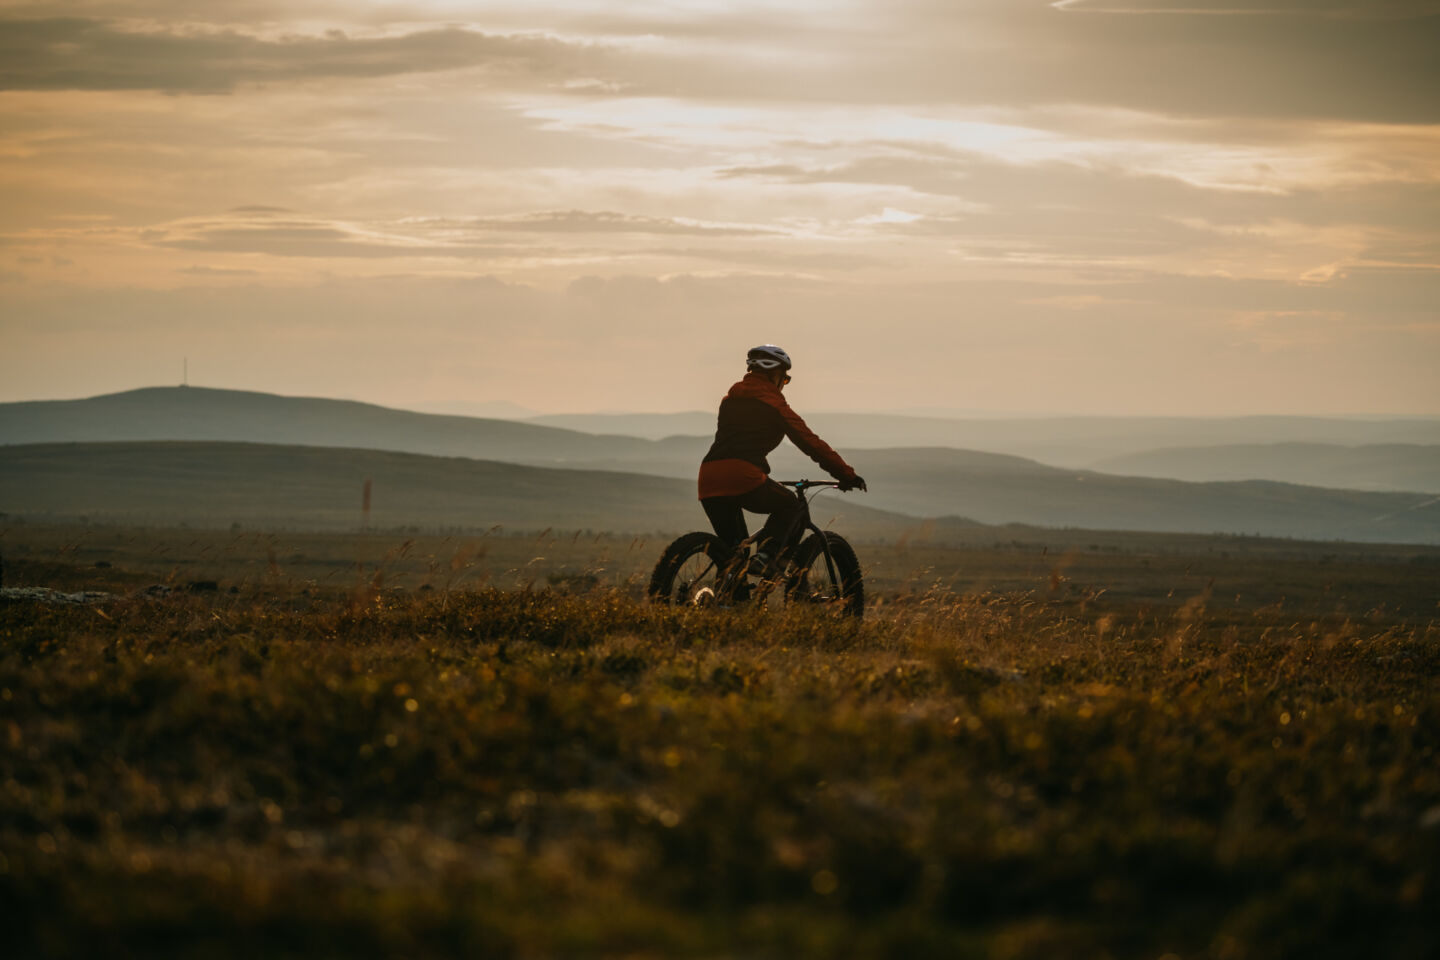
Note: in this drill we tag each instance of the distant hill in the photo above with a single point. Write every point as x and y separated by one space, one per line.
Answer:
1389 466
197 413
918 481
660 443
992 488
494 409
1060 441
217 484
651 426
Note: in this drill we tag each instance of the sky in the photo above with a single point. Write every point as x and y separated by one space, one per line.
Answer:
1192 207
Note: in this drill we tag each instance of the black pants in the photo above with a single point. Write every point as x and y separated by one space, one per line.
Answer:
728 518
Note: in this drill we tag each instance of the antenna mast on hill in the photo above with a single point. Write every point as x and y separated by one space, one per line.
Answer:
185 375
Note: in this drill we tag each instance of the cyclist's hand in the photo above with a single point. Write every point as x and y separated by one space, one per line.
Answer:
856 482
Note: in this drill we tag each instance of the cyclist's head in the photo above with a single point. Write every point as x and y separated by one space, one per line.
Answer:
768 358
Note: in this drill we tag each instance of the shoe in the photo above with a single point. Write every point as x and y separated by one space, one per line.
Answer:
759 564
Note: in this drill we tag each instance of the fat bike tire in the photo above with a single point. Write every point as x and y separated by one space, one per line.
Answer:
810 581
684 550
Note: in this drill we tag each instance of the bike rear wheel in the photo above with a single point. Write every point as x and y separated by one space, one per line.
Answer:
835 585
690 571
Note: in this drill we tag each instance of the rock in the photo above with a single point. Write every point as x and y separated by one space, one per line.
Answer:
46 595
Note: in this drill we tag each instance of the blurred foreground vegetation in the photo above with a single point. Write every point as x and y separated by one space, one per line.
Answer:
306 769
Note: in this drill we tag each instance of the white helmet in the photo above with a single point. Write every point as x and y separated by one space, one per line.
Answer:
767 357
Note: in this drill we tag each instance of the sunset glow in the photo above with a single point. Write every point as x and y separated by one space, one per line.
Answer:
988 206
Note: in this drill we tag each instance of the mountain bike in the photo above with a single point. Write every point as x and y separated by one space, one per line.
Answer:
697 569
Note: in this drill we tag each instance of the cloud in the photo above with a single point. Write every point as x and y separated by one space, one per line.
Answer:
605 221
923 174
776 258
1204 58
198 271
1365 297
1268 62
692 291
260 230
89 54
1347 9
1099 203
316 243
305 238
994 210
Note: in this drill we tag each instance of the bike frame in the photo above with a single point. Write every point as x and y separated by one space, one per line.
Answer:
802 521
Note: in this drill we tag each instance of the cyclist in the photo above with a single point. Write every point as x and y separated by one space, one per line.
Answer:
735 476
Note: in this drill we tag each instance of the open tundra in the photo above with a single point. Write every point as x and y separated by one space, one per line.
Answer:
1165 748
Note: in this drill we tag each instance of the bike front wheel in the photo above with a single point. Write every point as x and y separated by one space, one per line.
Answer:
690 572
825 572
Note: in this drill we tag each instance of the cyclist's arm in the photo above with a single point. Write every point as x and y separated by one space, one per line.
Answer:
811 445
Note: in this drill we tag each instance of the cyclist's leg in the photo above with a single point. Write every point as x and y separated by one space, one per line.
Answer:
782 507
728 519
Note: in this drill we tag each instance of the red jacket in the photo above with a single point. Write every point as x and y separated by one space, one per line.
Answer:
753 419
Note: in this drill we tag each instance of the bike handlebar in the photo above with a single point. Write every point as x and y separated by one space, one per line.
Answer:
807 484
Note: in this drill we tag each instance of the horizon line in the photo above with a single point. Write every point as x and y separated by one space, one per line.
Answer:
925 412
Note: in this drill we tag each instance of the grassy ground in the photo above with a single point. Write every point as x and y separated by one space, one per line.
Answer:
309 769
1307 578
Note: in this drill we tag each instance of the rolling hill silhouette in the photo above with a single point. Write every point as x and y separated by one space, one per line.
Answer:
1376 466
199 413
992 488
1061 441
920 482
216 484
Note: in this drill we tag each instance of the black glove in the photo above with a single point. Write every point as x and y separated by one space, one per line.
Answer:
856 482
